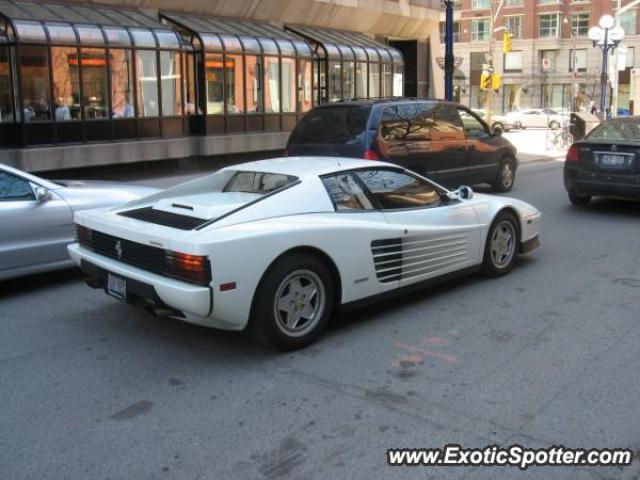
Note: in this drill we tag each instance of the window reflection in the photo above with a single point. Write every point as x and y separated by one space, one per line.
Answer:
335 81
305 90
147 82
387 80
349 85
288 85
234 84
66 83
121 84
254 84
94 82
271 85
171 79
6 105
374 80
361 80
34 69
213 68
191 99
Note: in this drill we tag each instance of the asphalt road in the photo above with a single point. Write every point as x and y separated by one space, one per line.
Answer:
94 389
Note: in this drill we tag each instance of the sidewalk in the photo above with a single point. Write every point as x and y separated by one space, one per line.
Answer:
533 145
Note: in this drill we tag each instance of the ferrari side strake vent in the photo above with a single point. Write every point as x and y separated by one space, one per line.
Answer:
400 258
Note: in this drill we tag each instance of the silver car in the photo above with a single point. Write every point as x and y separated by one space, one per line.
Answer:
36 217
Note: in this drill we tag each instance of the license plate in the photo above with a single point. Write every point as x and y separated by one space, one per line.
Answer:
117 287
613 160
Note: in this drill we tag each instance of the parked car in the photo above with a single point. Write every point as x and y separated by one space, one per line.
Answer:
37 218
606 162
498 121
444 141
538 118
277 245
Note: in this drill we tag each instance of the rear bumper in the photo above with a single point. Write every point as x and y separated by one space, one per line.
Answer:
592 184
166 293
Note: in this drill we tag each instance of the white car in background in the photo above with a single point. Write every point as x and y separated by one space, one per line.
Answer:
278 245
537 118
498 121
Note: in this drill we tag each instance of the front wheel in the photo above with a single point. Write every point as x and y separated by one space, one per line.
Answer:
553 125
505 176
501 249
498 126
293 302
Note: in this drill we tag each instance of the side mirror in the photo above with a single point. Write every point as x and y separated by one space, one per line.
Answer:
462 193
41 193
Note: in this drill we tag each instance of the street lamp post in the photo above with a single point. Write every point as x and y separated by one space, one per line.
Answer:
448 51
607 37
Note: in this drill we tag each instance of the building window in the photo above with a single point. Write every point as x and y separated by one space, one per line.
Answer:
171 81
580 24
189 79
398 80
456 31
579 59
6 104
514 3
549 26
66 83
121 84
374 80
349 84
335 81
628 22
305 93
147 82
361 79
94 83
254 84
480 30
548 2
556 96
214 74
513 62
34 70
271 85
387 80
234 87
514 25
480 4
288 85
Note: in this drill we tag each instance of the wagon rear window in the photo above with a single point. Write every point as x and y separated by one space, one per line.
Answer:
332 125
257 182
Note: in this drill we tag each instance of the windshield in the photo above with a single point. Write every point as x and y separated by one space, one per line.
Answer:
617 130
336 125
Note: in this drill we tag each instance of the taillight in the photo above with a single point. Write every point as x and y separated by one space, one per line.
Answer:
573 155
192 267
370 155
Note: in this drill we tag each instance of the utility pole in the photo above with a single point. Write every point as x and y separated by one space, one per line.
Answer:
615 78
448 52
492 19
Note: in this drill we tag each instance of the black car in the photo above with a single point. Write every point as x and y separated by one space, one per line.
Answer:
442 140
606 162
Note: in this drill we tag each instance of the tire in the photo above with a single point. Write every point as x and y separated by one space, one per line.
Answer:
498 126
505 176
285 285
579 200
554 125
501 249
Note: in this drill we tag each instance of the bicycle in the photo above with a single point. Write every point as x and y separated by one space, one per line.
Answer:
563 139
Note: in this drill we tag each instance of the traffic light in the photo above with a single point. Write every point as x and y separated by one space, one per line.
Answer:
507 42
485 81
496 82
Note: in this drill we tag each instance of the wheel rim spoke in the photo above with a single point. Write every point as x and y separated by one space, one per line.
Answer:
299 303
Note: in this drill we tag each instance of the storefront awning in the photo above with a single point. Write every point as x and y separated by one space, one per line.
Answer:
66 24
239 36
350 46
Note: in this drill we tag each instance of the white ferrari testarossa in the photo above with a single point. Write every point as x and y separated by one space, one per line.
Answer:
278 245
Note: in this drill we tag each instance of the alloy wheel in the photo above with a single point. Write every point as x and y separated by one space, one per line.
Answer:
300 301
503 243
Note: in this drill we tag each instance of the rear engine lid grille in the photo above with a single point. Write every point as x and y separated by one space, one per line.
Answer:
167 219
188 268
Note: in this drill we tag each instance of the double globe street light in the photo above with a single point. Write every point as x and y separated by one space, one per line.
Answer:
607 37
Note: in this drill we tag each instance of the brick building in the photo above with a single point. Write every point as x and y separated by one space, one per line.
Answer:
545 32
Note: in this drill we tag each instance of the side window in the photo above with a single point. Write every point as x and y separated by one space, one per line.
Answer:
392 189
444 122
14 188
345 193
472 126
403 123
